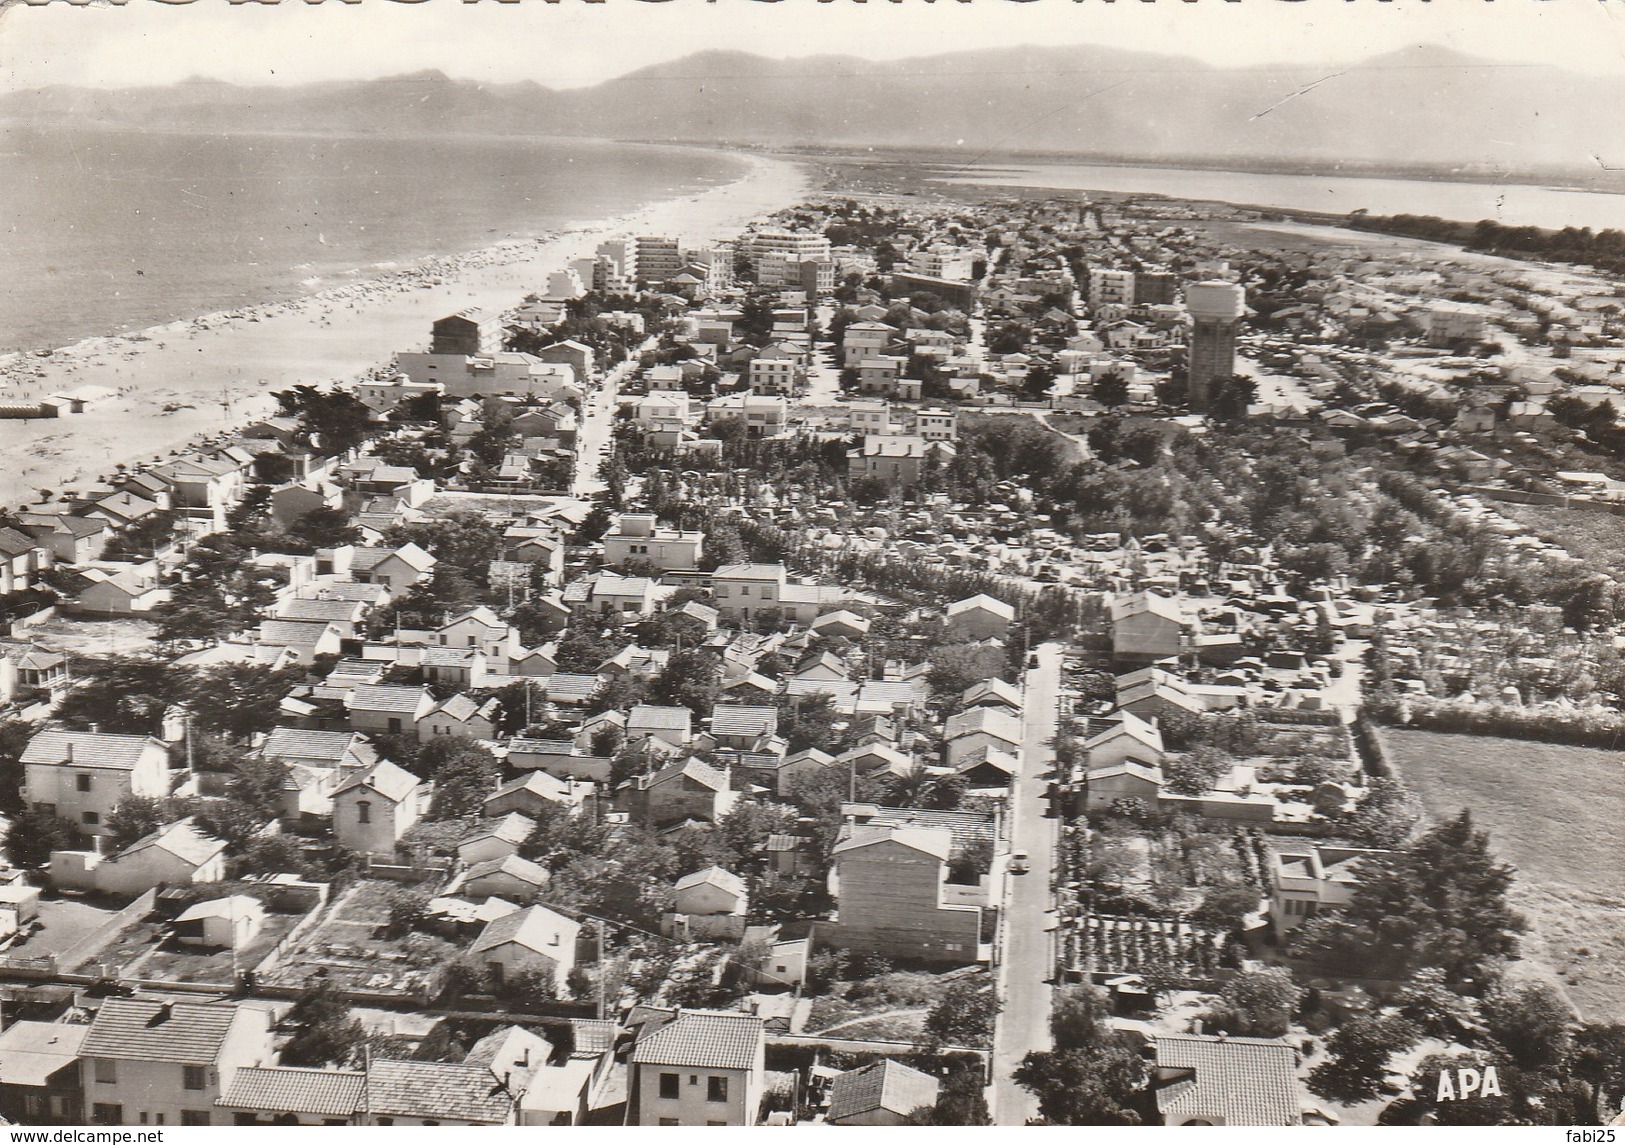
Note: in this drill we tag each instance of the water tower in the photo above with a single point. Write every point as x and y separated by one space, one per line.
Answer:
1216 309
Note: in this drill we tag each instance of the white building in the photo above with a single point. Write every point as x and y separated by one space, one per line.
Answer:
774 376
1110 288
952 263
640 537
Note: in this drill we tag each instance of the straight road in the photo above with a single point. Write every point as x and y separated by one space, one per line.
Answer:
597 424
1026 958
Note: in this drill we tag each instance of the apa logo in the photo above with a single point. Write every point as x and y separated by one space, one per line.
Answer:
1469 1083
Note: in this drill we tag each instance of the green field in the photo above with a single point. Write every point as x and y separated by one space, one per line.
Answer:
1554 813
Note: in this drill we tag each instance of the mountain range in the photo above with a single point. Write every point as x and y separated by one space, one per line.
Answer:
1422 107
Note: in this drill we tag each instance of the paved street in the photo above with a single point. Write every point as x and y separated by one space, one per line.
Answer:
1025 962
597 422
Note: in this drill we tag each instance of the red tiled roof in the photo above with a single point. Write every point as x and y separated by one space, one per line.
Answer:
1227 1081
703 1039
145 1029
291 1089
886 1085
443 1091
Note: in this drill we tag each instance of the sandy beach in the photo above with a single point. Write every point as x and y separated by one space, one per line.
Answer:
194 378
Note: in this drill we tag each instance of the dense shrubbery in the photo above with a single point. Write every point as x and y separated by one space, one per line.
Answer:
1442 901
1590 727
1604 249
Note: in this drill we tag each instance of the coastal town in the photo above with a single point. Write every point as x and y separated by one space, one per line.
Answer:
937 657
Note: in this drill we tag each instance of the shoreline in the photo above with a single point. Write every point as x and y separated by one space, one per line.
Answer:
317 282
1555 179
216 371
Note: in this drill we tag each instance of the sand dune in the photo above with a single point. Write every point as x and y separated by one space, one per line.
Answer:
218 372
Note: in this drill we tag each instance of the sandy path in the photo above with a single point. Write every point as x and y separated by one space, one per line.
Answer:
218 373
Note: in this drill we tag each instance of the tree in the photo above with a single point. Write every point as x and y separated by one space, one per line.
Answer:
743 829
582 651
407 907
1532 1022
463 783
1428 1002
1225 908
1312 771
135 817
961 1100
273 854
955 667
755 319
1111 389
1358 1051
1040 377
231 820
964 1015
1078 1018
324 528
441 1045
1231 397
808 721
671 627
1599 1062
529 988
1174 390
14 738
464 976
1386 815
925 789
970 862
325 1033
607 740
691 679
1440 902
251 514
331 421
273 468
465 541
1197 770
259 785
490 443
121 694
1257 1003
238 700
632 761
34 834
196 612
1097 1085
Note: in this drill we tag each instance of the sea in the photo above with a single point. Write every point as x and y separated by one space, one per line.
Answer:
1515 204
109 231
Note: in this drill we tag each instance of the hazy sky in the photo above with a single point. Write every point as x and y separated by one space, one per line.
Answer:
572 43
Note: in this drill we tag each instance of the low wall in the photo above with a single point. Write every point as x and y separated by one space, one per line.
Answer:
93 943
1527 497
275 955
21 626
403 873
41 967
1308 718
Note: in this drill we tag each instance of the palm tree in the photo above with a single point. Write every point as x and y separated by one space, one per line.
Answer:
918 787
